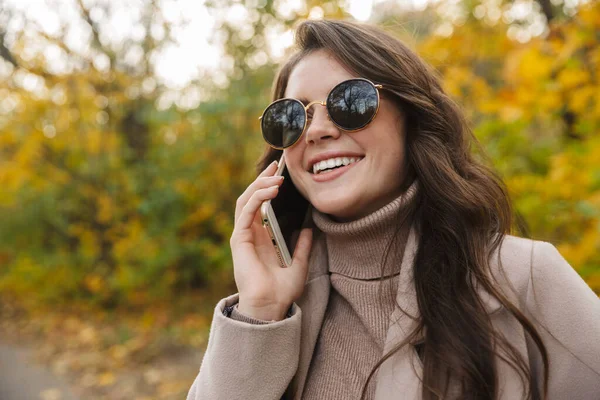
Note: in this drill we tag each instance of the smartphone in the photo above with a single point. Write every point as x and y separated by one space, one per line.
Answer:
284 215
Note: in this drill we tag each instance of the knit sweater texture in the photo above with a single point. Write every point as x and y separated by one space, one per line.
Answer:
362 296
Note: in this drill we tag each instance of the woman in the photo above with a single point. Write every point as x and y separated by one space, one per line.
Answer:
408 286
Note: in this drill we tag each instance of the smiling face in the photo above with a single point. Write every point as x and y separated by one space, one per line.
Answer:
356 190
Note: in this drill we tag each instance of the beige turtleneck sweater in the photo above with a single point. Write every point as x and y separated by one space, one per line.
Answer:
356 320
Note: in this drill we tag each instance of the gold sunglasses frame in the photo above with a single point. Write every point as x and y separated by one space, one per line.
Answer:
323 103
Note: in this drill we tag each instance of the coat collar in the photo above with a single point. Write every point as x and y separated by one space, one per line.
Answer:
399 374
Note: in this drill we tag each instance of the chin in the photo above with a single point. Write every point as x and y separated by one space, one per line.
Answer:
342 207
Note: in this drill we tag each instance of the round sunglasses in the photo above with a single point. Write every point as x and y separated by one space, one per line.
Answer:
351 106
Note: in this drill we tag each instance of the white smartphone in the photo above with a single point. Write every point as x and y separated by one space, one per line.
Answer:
283 216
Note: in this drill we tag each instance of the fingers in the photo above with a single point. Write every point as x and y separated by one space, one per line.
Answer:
270 170
251 208
264 180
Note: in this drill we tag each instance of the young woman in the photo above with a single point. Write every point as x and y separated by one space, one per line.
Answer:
408 285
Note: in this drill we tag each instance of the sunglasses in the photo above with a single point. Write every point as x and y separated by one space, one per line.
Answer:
351 106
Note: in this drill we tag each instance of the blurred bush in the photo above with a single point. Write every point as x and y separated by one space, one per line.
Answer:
110 199
536 108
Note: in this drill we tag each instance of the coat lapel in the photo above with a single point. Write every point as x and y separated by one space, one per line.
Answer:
399 377
313 304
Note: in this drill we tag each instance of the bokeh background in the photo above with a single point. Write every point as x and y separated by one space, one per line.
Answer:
129 128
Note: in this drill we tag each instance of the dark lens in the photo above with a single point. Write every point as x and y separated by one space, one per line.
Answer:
283 122
352 104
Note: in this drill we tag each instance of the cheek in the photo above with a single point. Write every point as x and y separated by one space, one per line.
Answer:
295 168
293 159
293 163
390 139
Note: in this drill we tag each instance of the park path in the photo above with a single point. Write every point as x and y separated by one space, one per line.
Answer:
21 378
164 369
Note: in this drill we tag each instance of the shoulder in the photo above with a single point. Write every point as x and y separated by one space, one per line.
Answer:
517 262
518 250
510 262
527 266
519 257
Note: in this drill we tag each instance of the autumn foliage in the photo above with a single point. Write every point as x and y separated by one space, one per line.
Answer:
110 200
536 108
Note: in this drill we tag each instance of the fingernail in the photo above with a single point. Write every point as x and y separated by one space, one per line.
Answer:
274 162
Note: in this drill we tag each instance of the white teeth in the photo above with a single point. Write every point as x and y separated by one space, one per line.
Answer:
333 162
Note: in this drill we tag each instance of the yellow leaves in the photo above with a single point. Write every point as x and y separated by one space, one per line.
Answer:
112 142
12 178
520 184
510 113
89 245
464 83
594 282
185 187
28 152
525 99
204 212
88 239
173 387
529 66
556 186
572 186
7 139
109 355
89 336
170 277
570 78
148 319
456 78
57 176
106 207
585 249
94 283
93 141
130 240
582 98
561 169
24 266
137 267
549 101
119 353
106 379
135 297
589 14
569 177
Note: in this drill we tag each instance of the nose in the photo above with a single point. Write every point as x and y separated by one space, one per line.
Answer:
320 128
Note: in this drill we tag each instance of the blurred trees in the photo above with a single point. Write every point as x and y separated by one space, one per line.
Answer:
105 197
109 197
536 108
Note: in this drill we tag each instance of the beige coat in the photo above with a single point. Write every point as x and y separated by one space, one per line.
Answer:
270 362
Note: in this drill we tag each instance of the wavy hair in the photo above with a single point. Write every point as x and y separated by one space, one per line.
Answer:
461 215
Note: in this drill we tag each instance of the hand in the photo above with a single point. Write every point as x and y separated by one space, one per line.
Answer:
266 289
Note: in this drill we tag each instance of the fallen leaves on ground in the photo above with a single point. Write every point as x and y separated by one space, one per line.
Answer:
111 355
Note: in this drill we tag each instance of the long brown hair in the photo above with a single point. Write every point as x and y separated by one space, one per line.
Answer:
461 215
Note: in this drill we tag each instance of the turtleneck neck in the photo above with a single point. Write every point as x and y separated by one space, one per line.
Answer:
356 248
